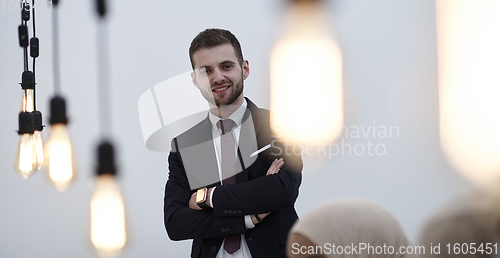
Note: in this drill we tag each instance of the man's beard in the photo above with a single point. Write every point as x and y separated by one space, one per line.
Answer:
230 97
234 92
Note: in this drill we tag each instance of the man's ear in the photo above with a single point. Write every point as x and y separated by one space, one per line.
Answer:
193 79
246 69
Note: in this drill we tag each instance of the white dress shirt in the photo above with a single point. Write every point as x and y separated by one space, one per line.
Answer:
237 117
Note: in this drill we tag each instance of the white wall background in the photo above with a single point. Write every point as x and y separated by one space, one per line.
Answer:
390 71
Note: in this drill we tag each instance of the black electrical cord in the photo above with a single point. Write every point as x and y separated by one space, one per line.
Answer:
33 10
57 103
25 52
34 85
25 5
106 156
22 22
55 50
103 83
34 58
23 39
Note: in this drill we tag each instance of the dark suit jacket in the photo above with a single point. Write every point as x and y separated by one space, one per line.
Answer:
253 193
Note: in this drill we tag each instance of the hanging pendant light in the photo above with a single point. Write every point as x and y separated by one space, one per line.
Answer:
37 135
29 156
107 209
59 157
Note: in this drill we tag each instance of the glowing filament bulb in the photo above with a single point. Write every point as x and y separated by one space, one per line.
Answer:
38 143
469 91
107 217
25 163
306 79
27 100
38 138
60 164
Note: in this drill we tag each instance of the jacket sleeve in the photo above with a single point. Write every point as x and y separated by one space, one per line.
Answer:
265 193
182 222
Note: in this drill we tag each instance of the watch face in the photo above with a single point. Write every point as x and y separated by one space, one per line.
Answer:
200 195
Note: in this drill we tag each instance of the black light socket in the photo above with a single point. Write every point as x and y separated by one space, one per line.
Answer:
28 80
26 123
23 35
37 118
106 159
34 47
101 8
55 2
58 111
25 12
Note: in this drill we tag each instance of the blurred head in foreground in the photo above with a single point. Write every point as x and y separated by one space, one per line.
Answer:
472 218
347 228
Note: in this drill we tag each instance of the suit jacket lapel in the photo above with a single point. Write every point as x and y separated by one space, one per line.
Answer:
249 141
198 155
254 111
247 145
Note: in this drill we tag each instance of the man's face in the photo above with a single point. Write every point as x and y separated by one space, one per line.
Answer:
218 74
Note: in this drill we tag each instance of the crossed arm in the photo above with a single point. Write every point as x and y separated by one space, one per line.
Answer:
273 169
278 189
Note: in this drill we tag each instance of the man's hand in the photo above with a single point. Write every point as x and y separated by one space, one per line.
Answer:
275 167
261 217
192 202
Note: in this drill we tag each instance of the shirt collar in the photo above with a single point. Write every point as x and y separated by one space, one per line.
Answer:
236 116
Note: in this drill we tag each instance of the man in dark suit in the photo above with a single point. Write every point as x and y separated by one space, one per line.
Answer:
247 213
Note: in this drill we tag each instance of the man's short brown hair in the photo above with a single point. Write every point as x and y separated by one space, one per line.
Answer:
210 38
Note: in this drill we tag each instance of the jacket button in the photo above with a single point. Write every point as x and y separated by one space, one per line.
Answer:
235 212
239 212
223 230
213 249
230 212
225 211
228 229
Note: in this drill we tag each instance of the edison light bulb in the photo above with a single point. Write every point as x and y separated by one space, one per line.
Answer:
59 157
25 163
468 54
58 150
28 86
38 138
27 100
107 217
306 79
38 146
